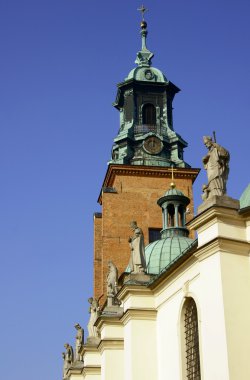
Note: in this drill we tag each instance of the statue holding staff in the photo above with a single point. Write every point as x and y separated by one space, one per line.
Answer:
216 163
137 262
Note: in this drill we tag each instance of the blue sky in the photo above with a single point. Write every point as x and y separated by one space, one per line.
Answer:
60 63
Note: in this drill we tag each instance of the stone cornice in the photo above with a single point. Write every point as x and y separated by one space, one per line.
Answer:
229 246
105 320
135 290
76 369
218 213
87 348
145 171
92 370
111 344
222 213
139 314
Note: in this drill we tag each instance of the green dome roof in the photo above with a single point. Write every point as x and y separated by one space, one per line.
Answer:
147 74
245 198
162 252
174 191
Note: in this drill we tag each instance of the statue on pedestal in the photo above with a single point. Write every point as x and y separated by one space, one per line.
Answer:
137 262
79 341
68 358
112 282
94 313
216 163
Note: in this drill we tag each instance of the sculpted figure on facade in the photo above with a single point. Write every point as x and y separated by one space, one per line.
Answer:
112 285
79 341
216 163
112 279
137 262
94 313
68 358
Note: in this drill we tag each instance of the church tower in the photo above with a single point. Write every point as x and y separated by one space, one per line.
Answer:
144 153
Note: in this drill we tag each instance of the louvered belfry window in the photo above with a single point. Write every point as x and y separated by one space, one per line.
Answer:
149 114
191 341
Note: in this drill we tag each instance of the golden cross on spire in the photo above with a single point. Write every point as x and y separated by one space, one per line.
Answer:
172 184
142 10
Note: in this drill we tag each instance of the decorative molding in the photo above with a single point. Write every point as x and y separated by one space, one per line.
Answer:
135 290
92 370
219 214
223 245
147 314
76 369
107 321
146 171
111 344
86 348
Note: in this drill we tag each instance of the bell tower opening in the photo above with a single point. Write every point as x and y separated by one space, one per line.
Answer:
149 114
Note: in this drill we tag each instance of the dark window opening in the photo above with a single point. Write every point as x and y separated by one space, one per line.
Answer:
149 114
171 215
154 234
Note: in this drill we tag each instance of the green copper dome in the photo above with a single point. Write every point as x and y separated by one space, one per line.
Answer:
144 100
162 252
174 191
144 71
147 74
174 234
245 198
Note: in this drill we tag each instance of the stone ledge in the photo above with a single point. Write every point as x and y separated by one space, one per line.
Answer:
112 311
221 201
92 341
136 278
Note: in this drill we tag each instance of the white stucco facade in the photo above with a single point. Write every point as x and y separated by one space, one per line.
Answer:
147 341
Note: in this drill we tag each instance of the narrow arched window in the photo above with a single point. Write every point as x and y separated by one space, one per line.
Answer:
190 331
149 114
171 214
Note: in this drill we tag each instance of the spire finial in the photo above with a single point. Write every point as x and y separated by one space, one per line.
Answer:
144 56
142 10
172 184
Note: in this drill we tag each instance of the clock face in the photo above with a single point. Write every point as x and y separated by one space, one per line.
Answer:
152 145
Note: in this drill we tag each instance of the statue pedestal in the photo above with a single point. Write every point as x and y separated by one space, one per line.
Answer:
219 200
93 341
112 311
136 278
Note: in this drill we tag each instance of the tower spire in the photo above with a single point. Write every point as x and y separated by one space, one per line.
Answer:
142 10
144 56
172 184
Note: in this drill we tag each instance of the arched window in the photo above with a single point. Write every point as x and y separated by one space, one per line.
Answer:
149 114
190 339
171 214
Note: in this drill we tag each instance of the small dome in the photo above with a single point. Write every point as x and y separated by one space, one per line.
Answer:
245 198
147 74
162 252
174 191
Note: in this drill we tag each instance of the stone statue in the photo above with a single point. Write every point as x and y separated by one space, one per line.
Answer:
79 341
137 262
94 313
112 282
68 358
65 365
216 163
112 279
